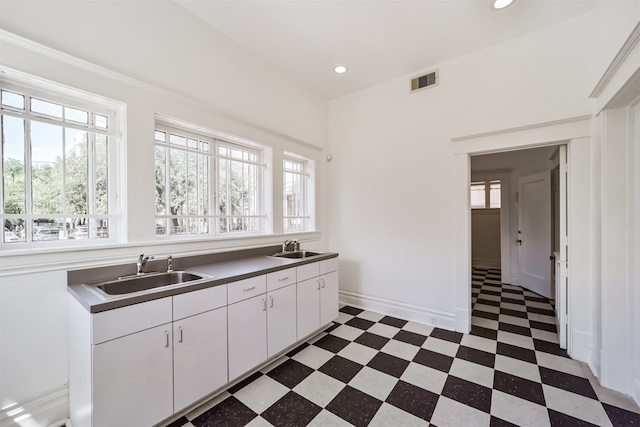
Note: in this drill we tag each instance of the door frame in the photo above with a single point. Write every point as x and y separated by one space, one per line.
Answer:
537 135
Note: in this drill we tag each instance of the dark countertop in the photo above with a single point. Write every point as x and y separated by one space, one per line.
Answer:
221 268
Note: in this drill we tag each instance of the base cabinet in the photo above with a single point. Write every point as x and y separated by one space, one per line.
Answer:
133 379
140 364
317 297
247 335
328 297
281 319
199 356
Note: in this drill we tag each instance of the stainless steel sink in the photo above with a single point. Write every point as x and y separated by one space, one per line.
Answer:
131 284
296 254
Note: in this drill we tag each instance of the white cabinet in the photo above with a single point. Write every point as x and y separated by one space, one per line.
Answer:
308 306
247 334
133 379
199 345
138 365
281 319
317 296
328 297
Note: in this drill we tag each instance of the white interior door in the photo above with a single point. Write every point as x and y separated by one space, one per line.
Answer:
534 232
561 254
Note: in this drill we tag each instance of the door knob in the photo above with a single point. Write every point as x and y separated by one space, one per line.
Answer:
519 242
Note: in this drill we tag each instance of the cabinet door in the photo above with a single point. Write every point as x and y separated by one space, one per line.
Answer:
281 319
328 297
199 356
133 380
308 307
247 335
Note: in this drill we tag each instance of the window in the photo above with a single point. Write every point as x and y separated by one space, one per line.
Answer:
207 186
296 197
58 165
485 194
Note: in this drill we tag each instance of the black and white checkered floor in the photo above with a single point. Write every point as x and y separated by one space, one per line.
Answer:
372 369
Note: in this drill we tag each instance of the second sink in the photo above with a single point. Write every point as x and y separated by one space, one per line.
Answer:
296 254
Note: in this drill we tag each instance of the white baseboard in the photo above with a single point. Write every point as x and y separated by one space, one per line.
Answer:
410 312
635 390
49 409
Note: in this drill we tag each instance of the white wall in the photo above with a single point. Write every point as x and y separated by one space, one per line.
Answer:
219 86
391 180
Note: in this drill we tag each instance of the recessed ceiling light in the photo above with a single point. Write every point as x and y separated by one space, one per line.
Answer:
500 4
340 69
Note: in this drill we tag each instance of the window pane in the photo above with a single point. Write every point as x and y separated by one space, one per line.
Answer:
161 227
76 172
101 229
14 230
192 143
101 174
48 229
178 140
192 184
494 195
477 196
13 165
79 230
161 136
178 183
11 99
161 159
74 115
100 121
45 107
47 165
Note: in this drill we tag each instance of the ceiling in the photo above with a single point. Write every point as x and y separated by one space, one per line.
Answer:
377 40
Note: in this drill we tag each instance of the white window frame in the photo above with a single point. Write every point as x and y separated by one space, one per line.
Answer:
307 178
213 218
31 87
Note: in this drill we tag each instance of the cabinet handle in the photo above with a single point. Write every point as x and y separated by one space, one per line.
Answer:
283 279
271 301
318 284
264 304
248 289
322 282
180 329
166 335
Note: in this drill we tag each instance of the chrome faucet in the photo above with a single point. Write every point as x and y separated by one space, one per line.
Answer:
296 245
142 261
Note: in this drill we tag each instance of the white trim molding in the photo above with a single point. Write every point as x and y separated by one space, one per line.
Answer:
410 312
49 409
617 62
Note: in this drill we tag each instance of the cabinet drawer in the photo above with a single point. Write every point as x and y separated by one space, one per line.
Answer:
328 265
308 271
111 324
192 303
247 288
280 279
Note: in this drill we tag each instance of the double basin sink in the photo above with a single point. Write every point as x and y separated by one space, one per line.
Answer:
139 283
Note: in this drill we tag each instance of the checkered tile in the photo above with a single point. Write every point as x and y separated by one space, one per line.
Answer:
371 369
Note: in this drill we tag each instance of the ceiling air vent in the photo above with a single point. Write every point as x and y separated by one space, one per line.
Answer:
425 81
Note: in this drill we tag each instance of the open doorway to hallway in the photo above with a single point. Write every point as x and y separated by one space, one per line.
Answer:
517 240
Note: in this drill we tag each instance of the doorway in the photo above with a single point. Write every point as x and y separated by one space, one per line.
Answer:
530 229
